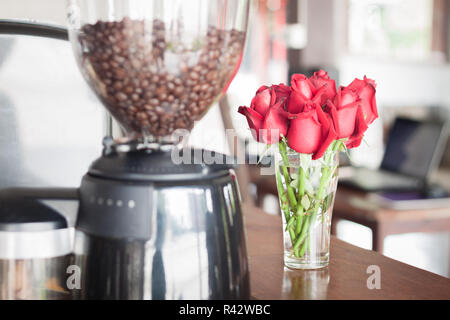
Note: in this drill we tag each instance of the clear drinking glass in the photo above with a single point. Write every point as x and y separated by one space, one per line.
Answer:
306 190
158 65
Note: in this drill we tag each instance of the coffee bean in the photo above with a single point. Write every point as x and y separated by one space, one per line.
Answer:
159 110
141 116
128 90
154 79
194 75
120 73
145 83
162 95
211 75
135 97
132 110
136 63
178 91
180 123
121 96
193 96
177 82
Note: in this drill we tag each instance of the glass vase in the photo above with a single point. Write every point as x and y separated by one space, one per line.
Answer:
306 190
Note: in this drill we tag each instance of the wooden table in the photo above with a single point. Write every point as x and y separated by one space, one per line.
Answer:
345 278
353 205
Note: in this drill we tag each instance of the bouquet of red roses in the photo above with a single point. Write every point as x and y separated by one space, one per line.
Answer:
310 121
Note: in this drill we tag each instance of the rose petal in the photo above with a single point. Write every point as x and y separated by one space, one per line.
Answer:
304 134
368 103
328 133
344 119
360 127
370 81
319 80
254 119
282 90
365 89
261 89
262 101
356 84
296 102
345 96
325 93
374 106
308 111
275 123
301 84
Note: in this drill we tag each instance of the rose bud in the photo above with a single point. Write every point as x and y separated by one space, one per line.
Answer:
266 116
343 112
262 100
282 91
348 120
317 89
353 109
302 93
365 89
311 131
326 87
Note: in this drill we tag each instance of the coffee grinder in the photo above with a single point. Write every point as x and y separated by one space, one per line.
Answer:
149 227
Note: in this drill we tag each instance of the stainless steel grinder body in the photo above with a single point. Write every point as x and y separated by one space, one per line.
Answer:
149 229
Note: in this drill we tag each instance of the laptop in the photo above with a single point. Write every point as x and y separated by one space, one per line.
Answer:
414 148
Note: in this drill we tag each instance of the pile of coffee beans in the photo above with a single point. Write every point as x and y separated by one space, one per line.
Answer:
150 79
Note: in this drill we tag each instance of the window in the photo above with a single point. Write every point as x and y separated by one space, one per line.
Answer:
401 29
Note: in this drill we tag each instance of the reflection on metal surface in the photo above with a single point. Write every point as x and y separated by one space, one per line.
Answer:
34 279
306 284
51 125
196 248
35 244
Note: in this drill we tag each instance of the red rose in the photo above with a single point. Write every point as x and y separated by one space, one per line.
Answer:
343 112
317 90
311 131
365 89
326 87
266 116
353 110
282 91
262 100
316 114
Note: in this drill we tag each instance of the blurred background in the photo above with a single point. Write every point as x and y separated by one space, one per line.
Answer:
51 124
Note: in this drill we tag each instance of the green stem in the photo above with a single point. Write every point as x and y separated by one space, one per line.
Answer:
301 193
282 195
291 234
287 179
301 183
283 201
305 247
290 222
302 235
324 180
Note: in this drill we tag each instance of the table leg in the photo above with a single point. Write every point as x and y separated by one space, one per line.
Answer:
334 222
378 236
260 199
